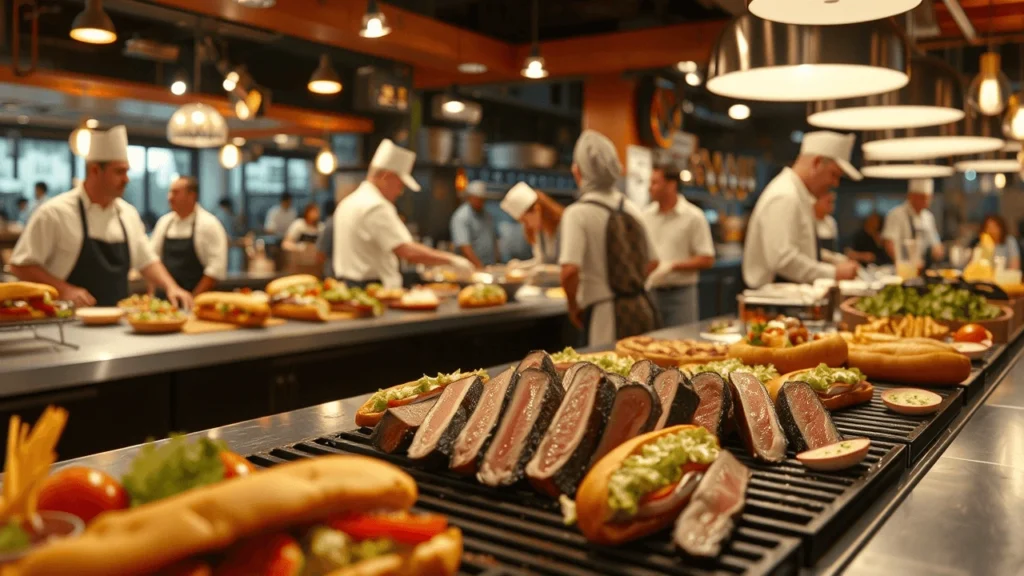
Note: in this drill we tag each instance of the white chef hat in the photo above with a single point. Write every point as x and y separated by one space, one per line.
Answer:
109 146
393 158
924 186
518 200
838 147
476 188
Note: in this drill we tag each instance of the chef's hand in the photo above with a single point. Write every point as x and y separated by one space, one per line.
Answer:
847 270
179 297
460 263
663 270
79 296
576 317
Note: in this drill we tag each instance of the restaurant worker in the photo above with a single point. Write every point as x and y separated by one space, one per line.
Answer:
191 242
827 229
473 231
780 243
85 241
606 253
39 196
304 231
369 237
913 220
541 217
280 216
682 237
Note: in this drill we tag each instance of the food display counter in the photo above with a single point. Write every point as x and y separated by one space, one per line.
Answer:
934 495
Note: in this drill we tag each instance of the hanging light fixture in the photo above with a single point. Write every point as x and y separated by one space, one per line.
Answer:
906 171
80 141
230 156
453 103
990 90
326 162
1013 122
739 111
375 24
197 125
179 84
755 59
974 135
1000 160
990 165
533 66
325 79
933 97
829 11
92 25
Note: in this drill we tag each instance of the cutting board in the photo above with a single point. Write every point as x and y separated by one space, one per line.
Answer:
197 326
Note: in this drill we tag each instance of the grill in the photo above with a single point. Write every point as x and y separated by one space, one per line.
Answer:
873 420
792 516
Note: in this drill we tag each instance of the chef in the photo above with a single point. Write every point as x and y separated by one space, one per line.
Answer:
540 216
369 237
780 243
827 229
473 231
913 220
191 242
85 241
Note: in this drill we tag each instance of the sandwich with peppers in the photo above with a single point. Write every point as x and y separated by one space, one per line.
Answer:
233 308
298 297
21 301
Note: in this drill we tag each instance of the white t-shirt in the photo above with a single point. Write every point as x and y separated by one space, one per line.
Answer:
367 230
278 219
583 243
210 240
300 227
901 223
53 237
679 235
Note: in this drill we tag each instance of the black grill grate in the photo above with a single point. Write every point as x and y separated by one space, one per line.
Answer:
873 420
513 530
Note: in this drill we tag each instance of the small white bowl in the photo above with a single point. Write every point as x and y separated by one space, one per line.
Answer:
912 401
973 350
100 316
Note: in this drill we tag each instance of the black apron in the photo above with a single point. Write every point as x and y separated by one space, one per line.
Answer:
927 259
361 284
180 258
102 267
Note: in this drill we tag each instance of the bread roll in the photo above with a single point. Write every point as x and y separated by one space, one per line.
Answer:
831 350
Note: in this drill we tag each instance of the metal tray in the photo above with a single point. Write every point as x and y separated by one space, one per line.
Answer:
12 326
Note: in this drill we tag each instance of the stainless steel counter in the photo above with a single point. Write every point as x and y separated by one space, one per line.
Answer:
110 353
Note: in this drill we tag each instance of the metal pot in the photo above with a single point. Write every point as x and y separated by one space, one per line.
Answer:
471 147
522 155
436 144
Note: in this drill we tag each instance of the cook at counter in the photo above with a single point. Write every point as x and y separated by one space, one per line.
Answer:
191 242
280 216
912 220
304 231
369 237
473 231
540 216
85 241
781 243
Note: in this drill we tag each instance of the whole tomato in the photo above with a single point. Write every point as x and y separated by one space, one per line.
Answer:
235 465
971 333
83 492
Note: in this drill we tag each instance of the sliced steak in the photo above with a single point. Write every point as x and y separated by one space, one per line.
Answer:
433 442
644 372
805 419
479 429
636 410
679 401
563 455
526 419
756 417
540 360
714 411
708 519
398 425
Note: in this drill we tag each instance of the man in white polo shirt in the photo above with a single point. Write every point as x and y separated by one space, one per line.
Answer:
682 239
369 237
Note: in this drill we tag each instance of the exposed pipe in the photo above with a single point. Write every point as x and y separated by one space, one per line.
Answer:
961 19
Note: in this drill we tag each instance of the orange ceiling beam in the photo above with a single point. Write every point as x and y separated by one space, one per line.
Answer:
301 120
1003 17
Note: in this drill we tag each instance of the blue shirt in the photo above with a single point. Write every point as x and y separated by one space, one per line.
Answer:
476 230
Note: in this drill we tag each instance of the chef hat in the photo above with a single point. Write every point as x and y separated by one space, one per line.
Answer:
109 146
924 186
393 158
518 200
838 147
476 188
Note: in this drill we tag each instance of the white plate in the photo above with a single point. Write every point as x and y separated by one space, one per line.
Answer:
973 350
724 338
100 316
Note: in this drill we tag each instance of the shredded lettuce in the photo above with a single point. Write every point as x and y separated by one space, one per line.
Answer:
173 467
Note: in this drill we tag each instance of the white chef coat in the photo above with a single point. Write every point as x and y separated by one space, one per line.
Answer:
583 243
780 235
901 223
299 227
278 219
210 239
367 230
828 231
53 237
679 235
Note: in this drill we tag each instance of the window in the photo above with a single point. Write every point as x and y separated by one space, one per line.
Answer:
299 176
41 161
163 166
264 184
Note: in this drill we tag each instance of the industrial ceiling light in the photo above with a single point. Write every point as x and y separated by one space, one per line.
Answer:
179 84
233 78
325 79
974 135
990 165
242 110
999 180
693 78
472 68
933 97
990 89
1013 122
92 25
687 66
375 24
326 162
906 171
755 59
739 111
197 125
533 66
80 141
92 123
230 156
453 103
828 11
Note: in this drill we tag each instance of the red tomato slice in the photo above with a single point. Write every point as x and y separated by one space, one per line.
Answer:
82 492
235 465
402 528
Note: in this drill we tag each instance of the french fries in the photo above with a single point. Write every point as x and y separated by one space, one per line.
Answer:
904 327
29 456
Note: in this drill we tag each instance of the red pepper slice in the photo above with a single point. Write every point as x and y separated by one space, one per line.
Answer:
15 312
403 528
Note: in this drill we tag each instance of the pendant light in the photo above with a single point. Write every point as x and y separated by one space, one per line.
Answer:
92 25
179 84
326 162
375 24
829 11
990 89
325 79
230 156
197 125
975 134
1000 160
899 171
933 97
533 66
453 103
80 141
1013 122
754 59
